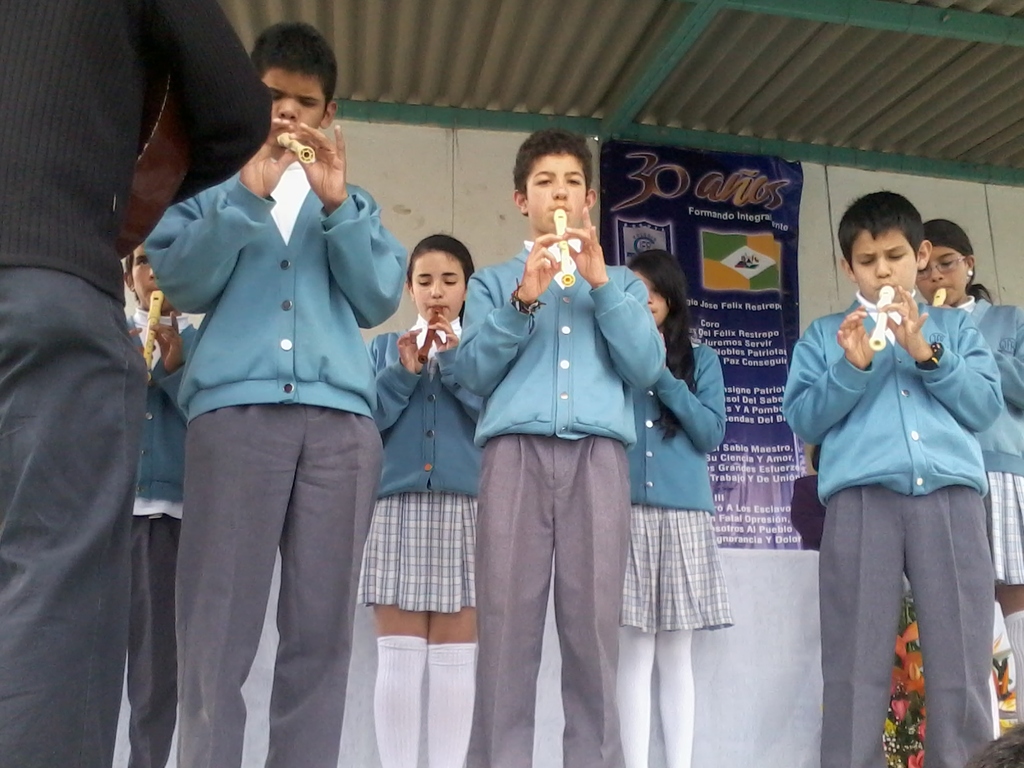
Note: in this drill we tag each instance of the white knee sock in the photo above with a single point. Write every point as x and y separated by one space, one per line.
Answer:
1015 634
636 664
675 682
450 703
398 699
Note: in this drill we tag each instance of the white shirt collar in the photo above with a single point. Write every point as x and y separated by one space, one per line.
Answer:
421 326
873 314
141 320
873 309
570 268
968 305
289 195
575 243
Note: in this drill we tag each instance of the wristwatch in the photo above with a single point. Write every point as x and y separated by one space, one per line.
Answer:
932 362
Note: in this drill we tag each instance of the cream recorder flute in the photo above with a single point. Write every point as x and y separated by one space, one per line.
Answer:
939 298
885 297
305 153
561 223
156 305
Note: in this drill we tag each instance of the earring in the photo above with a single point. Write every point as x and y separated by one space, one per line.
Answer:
970 273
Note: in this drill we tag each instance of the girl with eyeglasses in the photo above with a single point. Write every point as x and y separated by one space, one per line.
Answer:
952 267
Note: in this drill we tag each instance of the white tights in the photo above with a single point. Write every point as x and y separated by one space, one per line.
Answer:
638 652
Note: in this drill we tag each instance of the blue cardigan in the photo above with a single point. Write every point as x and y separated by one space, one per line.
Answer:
894 425
427 425
568 371
282 321
161 473
1002 444
673 472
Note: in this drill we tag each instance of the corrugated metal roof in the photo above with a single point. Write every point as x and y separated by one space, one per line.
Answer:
1000 7
475 55
803 81
772 69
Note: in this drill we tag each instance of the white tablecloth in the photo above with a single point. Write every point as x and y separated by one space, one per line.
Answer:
758 683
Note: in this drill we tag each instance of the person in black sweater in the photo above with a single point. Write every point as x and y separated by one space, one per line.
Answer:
72 386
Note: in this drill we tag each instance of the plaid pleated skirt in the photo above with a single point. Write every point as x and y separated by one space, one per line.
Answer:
420 553
674 574
1005 507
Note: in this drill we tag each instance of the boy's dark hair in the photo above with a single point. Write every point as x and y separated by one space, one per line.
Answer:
297 47
662 270
551 141
946 234
878 213
1005 752
445 244
129 261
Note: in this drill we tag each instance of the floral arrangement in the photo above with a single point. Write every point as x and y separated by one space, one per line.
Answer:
903 737
1003 675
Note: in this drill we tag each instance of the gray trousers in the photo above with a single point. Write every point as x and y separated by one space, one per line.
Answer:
152 660
72 395
871 536
544 498
261 479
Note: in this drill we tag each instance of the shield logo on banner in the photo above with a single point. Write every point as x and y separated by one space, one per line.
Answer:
638 236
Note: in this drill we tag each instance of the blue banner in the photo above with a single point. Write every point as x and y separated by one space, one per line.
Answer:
732 221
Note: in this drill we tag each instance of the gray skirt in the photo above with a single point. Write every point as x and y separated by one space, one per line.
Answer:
1005 507
420 553
674 574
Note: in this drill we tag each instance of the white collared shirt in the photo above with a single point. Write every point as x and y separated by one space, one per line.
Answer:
156 508
872 309
569 268
421 326
289 195
141 320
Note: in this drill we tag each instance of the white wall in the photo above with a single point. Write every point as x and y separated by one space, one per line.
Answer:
437 180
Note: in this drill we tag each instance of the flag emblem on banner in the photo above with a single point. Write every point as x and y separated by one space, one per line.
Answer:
736 262
638 236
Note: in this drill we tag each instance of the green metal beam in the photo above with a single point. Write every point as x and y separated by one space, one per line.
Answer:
892 16
678 41
828 155
451 117
454 117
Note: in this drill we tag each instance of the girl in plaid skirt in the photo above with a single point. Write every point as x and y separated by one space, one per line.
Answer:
674 582
951 268
417 568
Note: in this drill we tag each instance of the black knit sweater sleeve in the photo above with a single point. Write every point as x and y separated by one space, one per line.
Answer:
72 83
226 107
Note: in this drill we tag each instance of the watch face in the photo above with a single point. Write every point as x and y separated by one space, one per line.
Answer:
933 362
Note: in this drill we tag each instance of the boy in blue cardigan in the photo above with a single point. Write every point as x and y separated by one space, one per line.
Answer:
288 261
902 475
156 528
554 344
